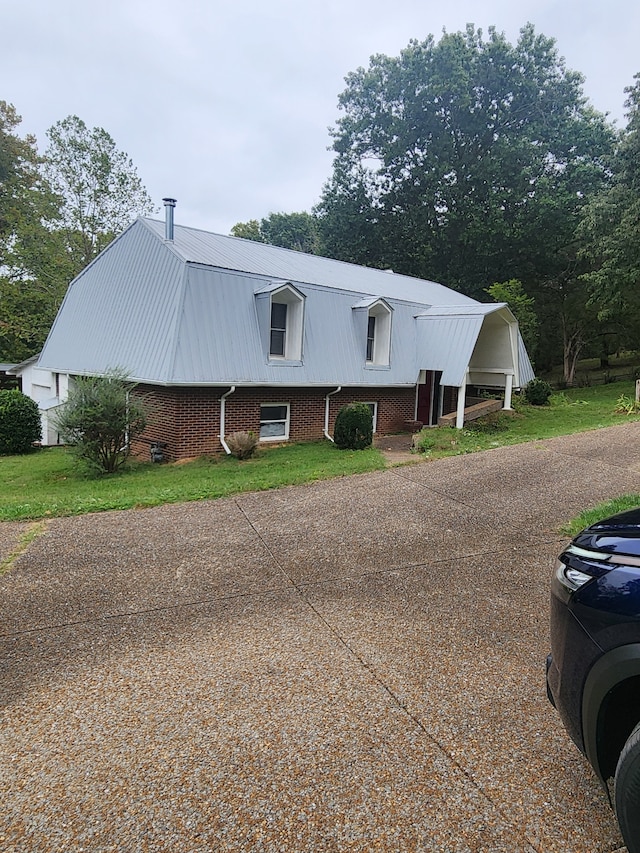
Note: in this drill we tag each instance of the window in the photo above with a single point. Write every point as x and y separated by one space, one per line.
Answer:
287 316
373 407
371 336
379 334
278 329
274 421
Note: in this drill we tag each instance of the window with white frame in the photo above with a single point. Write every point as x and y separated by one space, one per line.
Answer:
287 314
274 421
373 408
379 334
278 338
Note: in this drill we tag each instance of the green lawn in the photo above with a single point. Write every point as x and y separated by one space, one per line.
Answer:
46 483
570 411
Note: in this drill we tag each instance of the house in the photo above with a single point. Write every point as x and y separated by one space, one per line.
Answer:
224 334
48 388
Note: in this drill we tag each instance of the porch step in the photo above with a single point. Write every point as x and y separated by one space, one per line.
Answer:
472 413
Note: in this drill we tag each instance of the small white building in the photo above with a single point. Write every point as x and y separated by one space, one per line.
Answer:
48 389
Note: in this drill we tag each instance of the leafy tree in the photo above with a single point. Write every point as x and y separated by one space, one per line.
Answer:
467 161
248 231
290 230
100 419
55 216
20 424
32 258
611 231
99 186
522 306
18 171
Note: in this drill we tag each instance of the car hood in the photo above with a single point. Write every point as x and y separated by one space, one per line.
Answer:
619 534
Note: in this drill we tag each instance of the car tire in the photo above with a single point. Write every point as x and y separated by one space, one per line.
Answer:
627 788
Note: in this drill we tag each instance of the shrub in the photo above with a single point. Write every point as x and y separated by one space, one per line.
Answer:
20 424
242 444
626 406
354 427
100 419
537 392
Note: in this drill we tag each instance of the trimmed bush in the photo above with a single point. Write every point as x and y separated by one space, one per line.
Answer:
353 429
242 444
537 392
20 424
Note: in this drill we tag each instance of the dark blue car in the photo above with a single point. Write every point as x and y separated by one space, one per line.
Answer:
593 671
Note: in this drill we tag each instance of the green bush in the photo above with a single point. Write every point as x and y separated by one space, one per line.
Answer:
242 444
354 427
20 424
100 419
537 392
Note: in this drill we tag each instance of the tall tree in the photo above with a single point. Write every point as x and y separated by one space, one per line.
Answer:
99 187
30 287
56 214
611 230
466 160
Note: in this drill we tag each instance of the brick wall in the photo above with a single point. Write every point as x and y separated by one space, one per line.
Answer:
187 420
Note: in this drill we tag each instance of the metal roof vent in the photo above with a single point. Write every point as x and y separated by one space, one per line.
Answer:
169 204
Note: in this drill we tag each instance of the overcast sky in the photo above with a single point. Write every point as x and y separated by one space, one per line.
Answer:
226 106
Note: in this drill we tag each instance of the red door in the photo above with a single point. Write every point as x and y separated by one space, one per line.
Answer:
429 398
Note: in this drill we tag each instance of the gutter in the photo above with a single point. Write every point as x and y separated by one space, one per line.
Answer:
326 411
223 400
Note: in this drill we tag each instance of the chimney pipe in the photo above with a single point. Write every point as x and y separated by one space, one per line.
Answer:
169 204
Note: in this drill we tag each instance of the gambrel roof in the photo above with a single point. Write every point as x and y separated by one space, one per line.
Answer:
187 312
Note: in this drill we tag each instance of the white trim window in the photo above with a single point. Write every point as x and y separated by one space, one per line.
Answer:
379 334
287 316
374 413
274 421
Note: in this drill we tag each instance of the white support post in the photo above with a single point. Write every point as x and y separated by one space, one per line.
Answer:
462 391
508 390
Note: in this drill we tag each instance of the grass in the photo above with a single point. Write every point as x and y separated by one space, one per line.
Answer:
46 483
590 516
570 411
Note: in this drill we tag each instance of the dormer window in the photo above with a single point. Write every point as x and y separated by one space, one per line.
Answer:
278 329
371 336
379 334
286 323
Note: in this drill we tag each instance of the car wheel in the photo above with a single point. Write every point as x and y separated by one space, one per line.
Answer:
628 791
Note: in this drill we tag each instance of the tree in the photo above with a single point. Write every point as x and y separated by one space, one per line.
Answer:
19 174
100 419
32 258
522 306
466 161
296 231
55 216
248 231
99 187
610 230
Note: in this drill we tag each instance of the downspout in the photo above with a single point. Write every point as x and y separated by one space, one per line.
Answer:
223 400
326 411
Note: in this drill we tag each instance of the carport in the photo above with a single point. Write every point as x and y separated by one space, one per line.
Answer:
462 346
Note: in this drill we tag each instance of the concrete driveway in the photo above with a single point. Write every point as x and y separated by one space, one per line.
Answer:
350 665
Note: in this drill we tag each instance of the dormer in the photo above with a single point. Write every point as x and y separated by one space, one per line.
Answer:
280 309
374 315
